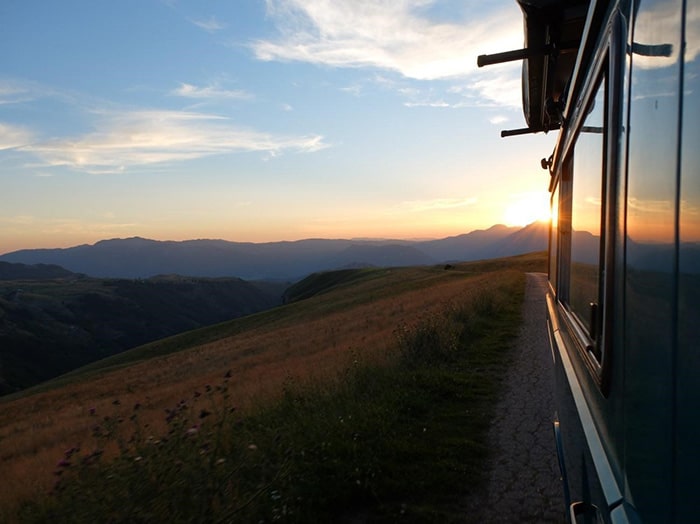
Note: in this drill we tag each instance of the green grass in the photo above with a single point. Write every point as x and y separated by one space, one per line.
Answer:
380 443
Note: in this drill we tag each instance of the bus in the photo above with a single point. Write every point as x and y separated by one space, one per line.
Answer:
619 82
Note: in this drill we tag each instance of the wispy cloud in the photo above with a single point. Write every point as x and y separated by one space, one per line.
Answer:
14 91
436 204
664 19
142 138
12 136
211 91
428 103
648 206
498 87
396 36
355 90
210 25
102 227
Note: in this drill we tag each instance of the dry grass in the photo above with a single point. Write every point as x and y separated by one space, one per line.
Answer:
316 338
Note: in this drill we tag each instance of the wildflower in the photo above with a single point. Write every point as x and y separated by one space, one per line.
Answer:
70 452
91 411
92 457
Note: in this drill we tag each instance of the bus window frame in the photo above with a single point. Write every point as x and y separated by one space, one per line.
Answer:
605 65
589 337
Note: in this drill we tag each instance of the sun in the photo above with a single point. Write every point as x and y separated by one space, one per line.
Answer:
526 208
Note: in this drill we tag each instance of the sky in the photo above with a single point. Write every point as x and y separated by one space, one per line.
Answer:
261 120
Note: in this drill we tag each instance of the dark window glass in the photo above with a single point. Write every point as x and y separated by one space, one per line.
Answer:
586 212
689 276
554 238
650 273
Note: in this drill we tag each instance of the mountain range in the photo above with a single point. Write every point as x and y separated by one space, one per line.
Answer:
143 258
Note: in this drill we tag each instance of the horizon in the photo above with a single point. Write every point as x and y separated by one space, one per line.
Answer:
350 239
261 122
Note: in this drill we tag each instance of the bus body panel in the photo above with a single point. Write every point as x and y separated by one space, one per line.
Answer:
627 365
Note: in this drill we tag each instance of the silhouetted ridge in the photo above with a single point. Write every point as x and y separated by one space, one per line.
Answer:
142 258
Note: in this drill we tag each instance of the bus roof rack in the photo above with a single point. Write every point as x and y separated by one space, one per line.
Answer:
553 33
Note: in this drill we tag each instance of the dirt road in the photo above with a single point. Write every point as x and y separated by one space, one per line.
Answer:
524 483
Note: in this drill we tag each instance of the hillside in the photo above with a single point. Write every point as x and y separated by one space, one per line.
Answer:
9 271
345 320
143 258
51 325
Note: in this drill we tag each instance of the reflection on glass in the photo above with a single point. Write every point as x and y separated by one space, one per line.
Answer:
650 281
586 212
690 154
689 273
554 238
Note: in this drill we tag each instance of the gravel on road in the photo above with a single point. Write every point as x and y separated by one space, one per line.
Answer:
523 479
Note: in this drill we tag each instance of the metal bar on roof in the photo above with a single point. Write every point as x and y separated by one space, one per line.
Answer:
528 52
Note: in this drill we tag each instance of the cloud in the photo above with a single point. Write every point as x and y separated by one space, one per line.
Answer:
428 103
355 90
142 138
649 206
17 91
19 220
436 204
663 18
212 91
499 87
396 36
210 25
12 137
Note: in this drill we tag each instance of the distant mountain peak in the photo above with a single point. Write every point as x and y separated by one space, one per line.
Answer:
138 257
129 240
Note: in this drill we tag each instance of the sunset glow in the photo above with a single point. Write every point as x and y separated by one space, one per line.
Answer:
528 208
260 121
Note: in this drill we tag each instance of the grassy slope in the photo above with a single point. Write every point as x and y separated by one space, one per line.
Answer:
48 327
353 321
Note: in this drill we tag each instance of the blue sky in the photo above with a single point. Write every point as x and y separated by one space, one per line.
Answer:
260 120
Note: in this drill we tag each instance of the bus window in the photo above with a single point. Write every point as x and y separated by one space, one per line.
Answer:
554 238
587 197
